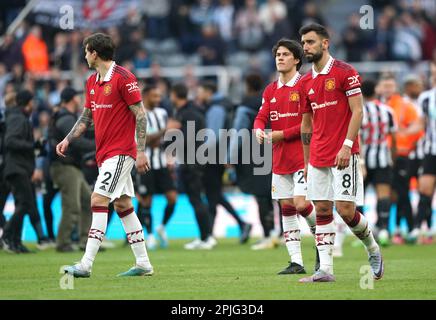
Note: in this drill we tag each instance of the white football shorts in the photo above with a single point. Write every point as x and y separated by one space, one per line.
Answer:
288 186
114 177
332 184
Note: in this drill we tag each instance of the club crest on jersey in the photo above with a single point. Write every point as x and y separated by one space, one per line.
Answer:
330 84
294 97
107 89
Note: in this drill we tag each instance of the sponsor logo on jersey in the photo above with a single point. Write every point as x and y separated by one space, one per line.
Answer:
107 89
294 96
316 106
275 115
353 81
133 86
95 106
330 84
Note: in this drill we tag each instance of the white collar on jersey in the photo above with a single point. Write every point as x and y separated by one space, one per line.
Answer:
325 70
108 75
291 82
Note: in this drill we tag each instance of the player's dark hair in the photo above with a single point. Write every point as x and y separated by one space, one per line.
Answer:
387 76
102 44
209 86
368 88
180 90
315 27
293 46
148 87
254 82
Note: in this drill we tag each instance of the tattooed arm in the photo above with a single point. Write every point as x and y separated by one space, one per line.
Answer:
79 128
306 137
138 110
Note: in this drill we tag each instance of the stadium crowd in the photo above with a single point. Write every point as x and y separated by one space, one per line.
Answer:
207 33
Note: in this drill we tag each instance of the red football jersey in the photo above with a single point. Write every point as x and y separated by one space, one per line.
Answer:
326 94
114 123
280 105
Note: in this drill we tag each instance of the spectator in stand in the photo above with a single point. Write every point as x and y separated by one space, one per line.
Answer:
223 18
248 27
212 47
61 55
10 51
406 44
156 12
354 39
35 52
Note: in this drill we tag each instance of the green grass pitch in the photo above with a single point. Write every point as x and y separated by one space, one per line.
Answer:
230 271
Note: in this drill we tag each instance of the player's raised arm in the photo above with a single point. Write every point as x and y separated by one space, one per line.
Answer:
138 110
79 128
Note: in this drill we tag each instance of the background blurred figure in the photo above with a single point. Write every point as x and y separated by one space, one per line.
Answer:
409 132
427 181
378 126
158 179
217 109
20 173
67 174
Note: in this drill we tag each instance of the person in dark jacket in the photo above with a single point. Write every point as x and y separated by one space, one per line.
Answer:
216 110
20 173
67 174
190 171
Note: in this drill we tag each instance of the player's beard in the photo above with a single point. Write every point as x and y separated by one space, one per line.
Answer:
314 57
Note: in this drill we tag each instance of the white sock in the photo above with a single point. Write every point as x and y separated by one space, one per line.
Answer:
291 233
359 226
95 236
135 236
325 238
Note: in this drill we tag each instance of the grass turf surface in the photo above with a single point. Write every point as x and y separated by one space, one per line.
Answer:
230 271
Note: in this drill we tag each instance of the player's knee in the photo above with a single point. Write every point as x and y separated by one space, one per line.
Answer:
98 200
345 207
301 205
323 209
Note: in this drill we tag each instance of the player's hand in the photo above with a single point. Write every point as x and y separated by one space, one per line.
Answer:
37 175
342 160
173 124
142 164
275 136
260 136
62 148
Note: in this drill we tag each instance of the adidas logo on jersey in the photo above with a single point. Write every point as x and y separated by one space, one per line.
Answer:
273 100
346 193
92 91
103 188
311 91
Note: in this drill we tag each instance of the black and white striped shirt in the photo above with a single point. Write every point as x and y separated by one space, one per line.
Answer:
427 101
378 122
157 120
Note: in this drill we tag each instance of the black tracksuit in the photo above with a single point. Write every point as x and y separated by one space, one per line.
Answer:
18 170
191 174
